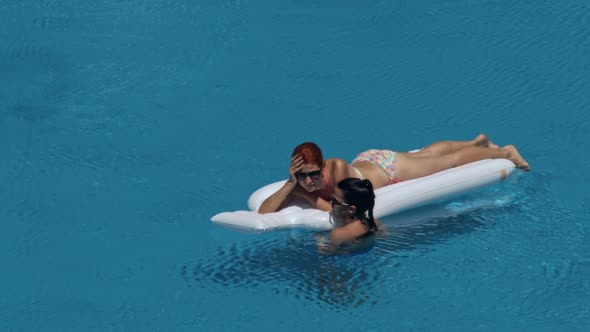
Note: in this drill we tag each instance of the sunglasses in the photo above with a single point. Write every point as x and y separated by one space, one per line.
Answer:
335 203
313 175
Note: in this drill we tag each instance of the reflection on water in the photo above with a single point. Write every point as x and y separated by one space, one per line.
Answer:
423 236
290 264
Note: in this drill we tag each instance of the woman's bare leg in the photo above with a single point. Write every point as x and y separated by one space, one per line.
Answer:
516 158
446 147
411 167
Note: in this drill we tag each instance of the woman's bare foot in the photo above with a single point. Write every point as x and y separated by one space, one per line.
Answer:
482 140
516 158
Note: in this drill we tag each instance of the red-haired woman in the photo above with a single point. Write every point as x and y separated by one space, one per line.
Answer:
312 179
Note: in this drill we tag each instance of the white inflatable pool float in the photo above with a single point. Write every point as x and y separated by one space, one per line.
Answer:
389 200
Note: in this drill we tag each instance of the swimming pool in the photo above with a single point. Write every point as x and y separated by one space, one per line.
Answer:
125 125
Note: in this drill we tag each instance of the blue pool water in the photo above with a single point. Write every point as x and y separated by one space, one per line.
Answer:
126 125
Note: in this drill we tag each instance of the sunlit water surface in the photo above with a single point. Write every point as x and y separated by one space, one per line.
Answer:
126 125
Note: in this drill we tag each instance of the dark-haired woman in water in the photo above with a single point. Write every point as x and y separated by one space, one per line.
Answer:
352 211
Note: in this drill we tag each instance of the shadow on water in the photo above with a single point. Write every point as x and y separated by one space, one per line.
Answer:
424 236
423 227
290 264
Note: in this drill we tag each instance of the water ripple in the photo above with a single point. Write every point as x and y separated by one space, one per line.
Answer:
53 22
291 267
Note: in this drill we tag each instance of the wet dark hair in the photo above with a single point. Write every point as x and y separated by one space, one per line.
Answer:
360 193
310 153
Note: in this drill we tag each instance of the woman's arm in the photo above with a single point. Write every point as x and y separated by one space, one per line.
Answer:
347 233
339 236
319 203
279 199
284 196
